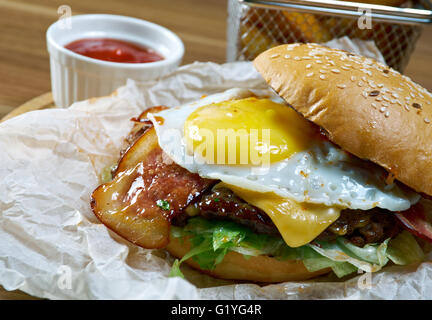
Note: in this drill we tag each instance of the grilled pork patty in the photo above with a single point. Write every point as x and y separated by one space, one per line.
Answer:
360 227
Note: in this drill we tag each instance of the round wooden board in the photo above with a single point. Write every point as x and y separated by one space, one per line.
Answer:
44 101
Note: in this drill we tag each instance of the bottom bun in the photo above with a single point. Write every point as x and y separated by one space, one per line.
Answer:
235 266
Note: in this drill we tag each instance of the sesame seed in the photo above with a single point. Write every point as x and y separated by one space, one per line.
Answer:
360 83
387 114
364 94
348 65
306 58
353 78
309 75
332 62
426 120
412 95
385 104
417 105
345 68
386 98
373 105
322 71
308 66
335 70
407 107
382 109
374 93
341 86
274 56
380 85
378 99
322 77
395 95
287 56
297 58
318 61
364 79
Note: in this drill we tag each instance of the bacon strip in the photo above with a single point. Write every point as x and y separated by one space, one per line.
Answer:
147 192
141 125
414 219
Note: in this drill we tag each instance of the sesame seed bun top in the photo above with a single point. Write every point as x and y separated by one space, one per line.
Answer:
367 108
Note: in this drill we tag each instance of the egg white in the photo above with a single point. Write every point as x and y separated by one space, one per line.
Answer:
323 174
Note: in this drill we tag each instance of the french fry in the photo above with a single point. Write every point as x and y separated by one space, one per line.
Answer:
310 28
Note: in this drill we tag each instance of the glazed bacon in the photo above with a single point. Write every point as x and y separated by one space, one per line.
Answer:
147 192
141 125
416 221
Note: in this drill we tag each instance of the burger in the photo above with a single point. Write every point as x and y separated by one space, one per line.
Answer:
328 170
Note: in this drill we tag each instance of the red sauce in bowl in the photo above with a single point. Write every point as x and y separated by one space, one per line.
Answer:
113 50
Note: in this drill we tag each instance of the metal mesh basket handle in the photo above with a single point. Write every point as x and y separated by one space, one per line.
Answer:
256 25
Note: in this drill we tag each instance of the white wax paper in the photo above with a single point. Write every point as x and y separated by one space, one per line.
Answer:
52 246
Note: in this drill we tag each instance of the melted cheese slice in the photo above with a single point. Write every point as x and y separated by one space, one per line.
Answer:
298 223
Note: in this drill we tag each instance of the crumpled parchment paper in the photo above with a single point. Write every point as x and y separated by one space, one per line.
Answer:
52 246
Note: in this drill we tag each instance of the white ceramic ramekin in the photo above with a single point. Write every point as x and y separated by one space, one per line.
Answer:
75 77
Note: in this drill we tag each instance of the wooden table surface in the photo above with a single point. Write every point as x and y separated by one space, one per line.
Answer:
24 65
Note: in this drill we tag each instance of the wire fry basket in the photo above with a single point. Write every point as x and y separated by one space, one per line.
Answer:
257 25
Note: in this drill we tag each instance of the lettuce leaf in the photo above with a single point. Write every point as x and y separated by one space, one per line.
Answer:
106 173
211 240
370 258
341 269
404 249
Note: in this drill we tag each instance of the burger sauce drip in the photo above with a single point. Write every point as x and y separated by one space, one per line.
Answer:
142 118
113 50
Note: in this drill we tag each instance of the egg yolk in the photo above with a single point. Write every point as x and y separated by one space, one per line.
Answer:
248 131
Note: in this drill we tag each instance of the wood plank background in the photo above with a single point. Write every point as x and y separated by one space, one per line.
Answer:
24 65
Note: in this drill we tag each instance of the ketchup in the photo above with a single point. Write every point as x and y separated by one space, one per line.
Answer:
113 50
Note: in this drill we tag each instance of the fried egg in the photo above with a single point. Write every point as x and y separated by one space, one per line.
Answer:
256 142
